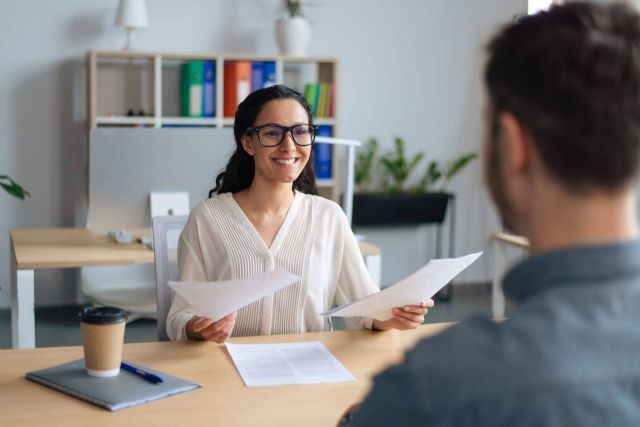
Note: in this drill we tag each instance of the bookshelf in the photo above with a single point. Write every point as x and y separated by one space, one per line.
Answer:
142 89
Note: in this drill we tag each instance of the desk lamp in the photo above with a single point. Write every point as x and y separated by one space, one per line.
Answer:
131 15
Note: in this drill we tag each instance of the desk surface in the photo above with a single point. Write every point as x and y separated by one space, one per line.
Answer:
72 248
79 247
223 399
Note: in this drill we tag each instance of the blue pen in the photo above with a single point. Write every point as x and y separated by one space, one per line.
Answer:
152 378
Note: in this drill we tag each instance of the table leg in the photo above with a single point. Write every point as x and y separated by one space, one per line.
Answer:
499 261
23 331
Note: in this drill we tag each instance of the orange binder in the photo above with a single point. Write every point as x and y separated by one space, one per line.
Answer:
237 85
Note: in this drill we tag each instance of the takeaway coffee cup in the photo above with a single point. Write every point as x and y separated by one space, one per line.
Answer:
102 338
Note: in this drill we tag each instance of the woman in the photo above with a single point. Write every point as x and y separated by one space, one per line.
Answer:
263 214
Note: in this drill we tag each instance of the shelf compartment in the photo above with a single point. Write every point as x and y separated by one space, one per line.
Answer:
190 121
124 84
125 120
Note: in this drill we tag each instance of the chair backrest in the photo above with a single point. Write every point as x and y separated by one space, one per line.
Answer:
166 231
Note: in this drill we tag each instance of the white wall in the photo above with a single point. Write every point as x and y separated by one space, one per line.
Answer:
407 67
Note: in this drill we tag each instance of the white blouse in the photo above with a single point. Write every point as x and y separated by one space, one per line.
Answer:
314 242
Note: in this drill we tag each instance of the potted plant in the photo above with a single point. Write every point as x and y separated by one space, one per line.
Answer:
12 187
293 31
383 197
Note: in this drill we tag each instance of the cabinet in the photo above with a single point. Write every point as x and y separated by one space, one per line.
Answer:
138 89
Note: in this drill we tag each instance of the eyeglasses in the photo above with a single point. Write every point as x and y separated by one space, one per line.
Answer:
272 135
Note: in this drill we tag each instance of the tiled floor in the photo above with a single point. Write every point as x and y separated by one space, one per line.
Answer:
58 326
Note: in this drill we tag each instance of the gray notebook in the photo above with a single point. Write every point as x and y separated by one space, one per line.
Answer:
114 393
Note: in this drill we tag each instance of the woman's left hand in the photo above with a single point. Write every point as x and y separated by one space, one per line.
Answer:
407 317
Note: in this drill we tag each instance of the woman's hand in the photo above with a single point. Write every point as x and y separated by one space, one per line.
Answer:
205 329
407 317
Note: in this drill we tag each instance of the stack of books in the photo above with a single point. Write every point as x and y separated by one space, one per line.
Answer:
321 98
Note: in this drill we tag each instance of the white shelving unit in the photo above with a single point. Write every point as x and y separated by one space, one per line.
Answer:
148 83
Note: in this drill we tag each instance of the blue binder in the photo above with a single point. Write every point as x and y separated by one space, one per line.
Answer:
268 74
256 76
209 96
323 155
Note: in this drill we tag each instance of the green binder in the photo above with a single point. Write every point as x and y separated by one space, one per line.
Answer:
191 88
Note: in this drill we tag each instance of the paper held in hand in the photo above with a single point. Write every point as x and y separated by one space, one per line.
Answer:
419 286
217 299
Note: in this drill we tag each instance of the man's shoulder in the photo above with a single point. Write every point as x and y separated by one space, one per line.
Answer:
476 356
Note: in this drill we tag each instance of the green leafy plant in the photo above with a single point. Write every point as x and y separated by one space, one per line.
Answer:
430 177
394 169
364 167
434 174
293 8
456 166
397 168
13 188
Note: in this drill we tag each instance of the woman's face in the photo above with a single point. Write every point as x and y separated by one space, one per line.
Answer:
284 162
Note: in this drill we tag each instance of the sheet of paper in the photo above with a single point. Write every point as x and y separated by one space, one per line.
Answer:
419 286
290 363
217 299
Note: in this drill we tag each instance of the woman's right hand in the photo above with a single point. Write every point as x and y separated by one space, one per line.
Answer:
205 329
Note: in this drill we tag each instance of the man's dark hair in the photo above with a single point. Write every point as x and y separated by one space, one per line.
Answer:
240 169
571 76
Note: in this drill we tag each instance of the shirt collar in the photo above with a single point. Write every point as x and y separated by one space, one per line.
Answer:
581 265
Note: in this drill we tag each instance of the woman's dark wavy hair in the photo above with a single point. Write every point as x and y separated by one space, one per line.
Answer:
240 169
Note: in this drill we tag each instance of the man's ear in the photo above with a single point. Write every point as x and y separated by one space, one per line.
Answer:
516 156
246 144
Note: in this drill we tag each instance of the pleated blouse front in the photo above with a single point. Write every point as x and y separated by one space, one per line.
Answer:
314 242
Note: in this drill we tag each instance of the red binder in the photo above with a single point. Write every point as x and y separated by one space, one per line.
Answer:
237 85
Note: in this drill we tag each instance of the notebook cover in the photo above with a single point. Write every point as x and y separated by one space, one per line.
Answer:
114 393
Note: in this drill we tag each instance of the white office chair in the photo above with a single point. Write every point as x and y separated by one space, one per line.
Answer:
166 232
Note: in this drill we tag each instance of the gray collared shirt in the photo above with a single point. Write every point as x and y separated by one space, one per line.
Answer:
569 355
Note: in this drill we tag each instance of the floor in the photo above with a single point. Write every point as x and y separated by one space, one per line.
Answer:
58 326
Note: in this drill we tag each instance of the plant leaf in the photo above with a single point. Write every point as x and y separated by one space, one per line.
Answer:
364 163
13 188
433 172
458 164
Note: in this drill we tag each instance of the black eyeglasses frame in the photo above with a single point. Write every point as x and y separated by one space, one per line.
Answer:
285 130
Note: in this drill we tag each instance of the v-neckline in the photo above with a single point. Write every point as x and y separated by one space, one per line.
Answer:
282 230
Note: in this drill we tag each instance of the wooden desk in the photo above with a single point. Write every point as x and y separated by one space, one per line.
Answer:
223 399
76 248
500 242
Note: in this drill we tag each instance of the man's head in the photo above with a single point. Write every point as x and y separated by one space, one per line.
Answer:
565 85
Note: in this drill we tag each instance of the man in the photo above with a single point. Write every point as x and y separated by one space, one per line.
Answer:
562 158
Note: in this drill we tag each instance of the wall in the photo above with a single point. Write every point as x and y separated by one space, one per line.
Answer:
407 67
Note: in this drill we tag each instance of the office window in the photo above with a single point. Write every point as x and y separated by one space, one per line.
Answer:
536 6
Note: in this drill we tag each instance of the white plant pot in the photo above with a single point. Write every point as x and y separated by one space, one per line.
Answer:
293 35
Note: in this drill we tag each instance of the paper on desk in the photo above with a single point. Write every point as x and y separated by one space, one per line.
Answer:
419 286
287 363
217 299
